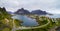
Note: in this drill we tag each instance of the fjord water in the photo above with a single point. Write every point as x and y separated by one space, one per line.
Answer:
26 20
31 22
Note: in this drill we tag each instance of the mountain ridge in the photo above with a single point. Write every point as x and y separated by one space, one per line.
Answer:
24 11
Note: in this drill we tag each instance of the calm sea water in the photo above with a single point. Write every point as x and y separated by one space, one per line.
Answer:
31 22
26 20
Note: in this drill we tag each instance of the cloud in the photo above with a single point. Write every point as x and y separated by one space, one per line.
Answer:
58 4
38 4
46 5
9 3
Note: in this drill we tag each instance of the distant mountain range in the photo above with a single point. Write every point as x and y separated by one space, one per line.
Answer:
39 12
24 11
10 12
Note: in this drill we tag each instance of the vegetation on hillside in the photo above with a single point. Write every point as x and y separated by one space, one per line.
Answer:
7 23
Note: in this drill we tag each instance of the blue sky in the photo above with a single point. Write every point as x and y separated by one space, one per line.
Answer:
51 6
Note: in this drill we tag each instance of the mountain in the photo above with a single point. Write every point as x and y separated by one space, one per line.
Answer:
10 12
39 12
22 11
4 13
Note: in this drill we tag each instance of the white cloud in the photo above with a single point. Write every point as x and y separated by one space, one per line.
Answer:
46 5
9 3
54 11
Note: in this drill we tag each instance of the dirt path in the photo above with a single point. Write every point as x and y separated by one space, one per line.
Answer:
53 28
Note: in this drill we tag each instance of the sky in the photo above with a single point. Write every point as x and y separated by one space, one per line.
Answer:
51 6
